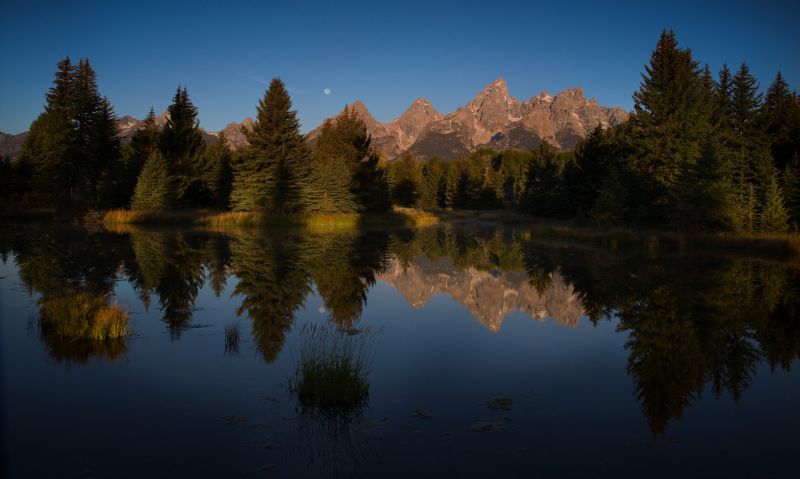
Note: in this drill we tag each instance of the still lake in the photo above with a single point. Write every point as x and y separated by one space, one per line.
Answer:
485 352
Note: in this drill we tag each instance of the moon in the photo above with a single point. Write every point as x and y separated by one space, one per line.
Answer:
327 91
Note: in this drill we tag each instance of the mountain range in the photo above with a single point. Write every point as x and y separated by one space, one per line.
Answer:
493 119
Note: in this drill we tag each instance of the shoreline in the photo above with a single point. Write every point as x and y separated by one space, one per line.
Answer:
783 247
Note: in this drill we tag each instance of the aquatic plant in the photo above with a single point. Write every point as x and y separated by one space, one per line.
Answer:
83 326
232 339
331 375
83 316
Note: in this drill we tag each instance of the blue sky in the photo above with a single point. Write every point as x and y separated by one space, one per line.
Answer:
385 53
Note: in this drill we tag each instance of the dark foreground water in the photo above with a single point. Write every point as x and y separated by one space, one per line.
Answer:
483 354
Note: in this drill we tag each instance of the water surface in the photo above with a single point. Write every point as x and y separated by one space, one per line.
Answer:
489 352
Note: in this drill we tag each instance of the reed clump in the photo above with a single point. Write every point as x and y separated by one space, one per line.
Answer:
83 316
331 375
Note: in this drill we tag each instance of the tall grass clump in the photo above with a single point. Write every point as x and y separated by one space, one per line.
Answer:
232 339
331 375
83 316
82 326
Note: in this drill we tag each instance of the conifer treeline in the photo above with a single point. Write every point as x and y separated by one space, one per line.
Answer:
698 153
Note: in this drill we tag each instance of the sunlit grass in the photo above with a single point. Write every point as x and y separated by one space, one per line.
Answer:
222 221
84 316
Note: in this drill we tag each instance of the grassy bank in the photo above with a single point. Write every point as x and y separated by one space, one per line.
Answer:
215 220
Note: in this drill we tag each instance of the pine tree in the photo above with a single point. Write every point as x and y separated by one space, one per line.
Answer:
608 208
274 169
703 197
780 115
671 118
791 191
143 142
745 205
724 97
331 181
48 146
217 172
773 217
105 148
182 145
70 143
371 185
433 185
544 171
88 114
155 188
406 180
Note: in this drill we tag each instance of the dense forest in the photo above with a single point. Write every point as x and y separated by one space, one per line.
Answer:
700 153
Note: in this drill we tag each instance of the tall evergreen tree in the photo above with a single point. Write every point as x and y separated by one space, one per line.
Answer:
406 180
105 147
671 117
48 146
331 181
143 142
70 144
774 217
217 172
749 149
89 113
344 142
182 145
371 185
791 191
433 185
273 173
781 120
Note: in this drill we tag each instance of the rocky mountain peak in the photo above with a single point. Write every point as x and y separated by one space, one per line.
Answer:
234 134
575 94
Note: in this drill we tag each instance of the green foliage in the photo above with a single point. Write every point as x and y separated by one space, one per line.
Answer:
706 184
216 172
73 146
371 185
773 216
671 117
780 117
346 173
182 145
154 190
543 188
791 191
406 180
432 189
134 155
331 177
106 147
272 174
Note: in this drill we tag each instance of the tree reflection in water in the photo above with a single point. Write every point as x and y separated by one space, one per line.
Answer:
693 321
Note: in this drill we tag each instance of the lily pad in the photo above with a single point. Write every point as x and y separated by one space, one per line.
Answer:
421 414
500 404
486 426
